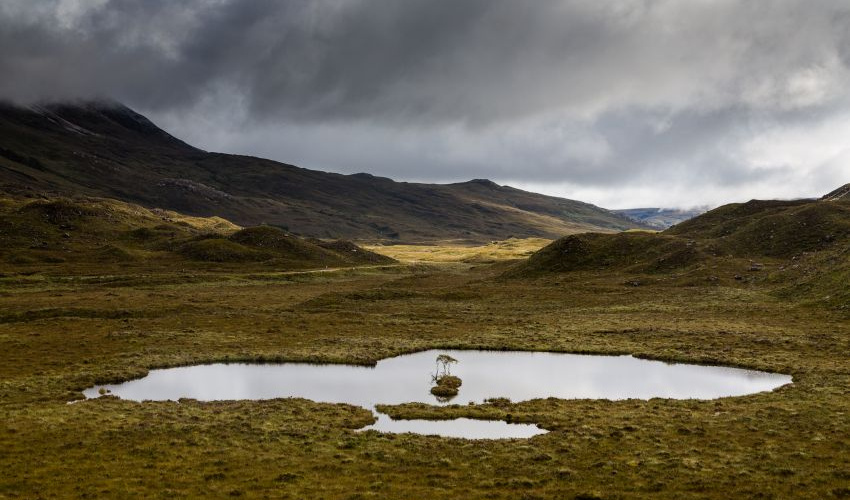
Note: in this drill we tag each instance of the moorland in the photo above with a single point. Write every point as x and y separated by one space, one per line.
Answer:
95 290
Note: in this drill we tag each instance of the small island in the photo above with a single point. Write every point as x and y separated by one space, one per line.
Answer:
447 385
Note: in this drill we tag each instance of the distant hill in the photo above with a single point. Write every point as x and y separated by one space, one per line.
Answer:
660 218
99 232
108 150
802 247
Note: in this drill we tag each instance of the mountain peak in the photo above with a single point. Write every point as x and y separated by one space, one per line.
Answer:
481 182
104 118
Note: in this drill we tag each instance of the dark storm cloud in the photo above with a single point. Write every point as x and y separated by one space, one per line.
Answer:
476 60
582 93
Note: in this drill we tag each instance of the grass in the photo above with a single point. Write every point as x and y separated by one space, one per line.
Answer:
514 248
64 334
446 386
52 232
74 326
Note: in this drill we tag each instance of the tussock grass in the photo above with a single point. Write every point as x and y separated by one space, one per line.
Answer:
103 232
75 326
221 250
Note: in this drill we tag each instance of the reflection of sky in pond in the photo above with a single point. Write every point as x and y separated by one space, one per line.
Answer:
458 427
518 376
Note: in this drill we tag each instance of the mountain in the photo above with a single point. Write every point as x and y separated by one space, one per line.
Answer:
84 232
660 218
842 193
106 149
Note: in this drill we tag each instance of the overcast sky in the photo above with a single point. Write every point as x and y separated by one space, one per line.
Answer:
619 103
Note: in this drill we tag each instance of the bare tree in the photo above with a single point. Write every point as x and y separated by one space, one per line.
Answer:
444 362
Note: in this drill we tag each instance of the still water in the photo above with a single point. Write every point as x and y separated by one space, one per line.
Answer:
518 376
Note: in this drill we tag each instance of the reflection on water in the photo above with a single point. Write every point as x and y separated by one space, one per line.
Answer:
515 375
459 427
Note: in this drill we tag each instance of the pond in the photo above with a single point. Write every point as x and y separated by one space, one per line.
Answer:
516 375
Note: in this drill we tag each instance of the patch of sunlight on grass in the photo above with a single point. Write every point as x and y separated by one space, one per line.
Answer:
513 248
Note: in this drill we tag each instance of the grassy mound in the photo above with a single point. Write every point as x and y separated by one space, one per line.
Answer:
64 211
282 245
277 240
221 250
800 249
94 231
354 253
631 251
101 215
450 381
111 253
779 229
754 230
447 386
820 277
444 391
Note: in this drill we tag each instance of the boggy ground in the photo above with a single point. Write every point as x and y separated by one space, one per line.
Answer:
62 332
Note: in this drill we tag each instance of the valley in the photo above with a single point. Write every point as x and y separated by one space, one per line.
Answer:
674 297
436 250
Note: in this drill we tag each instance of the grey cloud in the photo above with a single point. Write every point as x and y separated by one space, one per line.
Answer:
588 93
623 147
473 61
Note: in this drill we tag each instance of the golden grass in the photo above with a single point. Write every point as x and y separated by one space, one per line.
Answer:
61 333
82 234
514 248
121 213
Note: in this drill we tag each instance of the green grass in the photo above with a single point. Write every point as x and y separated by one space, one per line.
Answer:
100 232
64 334
72 325
221 250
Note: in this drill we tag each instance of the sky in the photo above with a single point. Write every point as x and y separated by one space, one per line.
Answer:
629 103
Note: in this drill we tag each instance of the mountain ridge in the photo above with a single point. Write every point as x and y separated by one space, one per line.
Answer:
842 193
106 149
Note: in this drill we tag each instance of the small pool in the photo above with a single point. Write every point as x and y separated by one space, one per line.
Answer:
515 375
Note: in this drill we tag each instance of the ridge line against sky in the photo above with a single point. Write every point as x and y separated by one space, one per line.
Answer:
618 103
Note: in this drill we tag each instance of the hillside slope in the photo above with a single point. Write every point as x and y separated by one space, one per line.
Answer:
108 150
802 248
101 232
842 193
